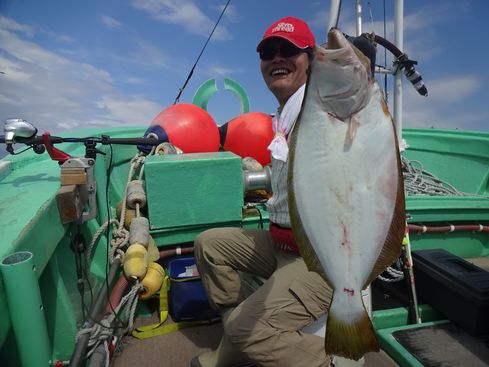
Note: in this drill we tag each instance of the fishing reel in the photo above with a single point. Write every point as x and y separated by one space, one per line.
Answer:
412 74
402 62
16 128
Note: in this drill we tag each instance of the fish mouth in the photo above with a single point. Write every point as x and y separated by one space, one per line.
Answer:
336 39
338 44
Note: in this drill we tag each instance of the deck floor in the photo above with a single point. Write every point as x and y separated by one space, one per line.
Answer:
169 350
178 348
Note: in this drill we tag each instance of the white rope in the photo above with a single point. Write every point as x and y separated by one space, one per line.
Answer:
418 181
394 272
103 227
107 353
103 331
136 161
120 239
121 235
396 275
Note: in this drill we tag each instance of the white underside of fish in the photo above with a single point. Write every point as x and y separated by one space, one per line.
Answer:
345 186
349 203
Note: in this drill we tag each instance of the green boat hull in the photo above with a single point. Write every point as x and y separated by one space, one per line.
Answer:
30 222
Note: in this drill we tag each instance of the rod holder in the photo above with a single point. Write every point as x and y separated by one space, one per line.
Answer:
26 309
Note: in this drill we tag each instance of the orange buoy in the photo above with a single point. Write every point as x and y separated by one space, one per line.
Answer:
248 135
186 126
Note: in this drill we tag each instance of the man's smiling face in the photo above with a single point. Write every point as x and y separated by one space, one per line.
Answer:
283 74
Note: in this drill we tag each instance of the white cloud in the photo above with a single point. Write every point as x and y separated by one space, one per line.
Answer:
147 54
134 110
68 125
55 91
135 80
8 100
12 71
453 89
184 13
214 70
12 25
64 38
25 51
110 22
420 40
446 106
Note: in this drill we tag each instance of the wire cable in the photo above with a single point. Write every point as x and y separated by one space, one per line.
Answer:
17 153
385 60
107 234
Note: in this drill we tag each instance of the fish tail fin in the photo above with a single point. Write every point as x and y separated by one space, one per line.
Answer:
349 334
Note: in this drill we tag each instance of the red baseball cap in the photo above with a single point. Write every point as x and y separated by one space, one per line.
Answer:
293 30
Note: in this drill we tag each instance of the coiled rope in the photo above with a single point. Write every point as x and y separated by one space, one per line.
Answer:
394 275
418 181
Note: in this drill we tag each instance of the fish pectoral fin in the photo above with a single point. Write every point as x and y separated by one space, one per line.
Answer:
351 132
352 128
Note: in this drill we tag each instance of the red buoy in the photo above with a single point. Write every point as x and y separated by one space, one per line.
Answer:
248 135
188 127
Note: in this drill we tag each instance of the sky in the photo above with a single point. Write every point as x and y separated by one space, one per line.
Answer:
105 63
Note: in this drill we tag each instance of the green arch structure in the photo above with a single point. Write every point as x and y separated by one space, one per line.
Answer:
209 88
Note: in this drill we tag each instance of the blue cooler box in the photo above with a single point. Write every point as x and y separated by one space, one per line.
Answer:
187 300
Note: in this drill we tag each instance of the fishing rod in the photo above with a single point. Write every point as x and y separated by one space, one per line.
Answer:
180 91
20 131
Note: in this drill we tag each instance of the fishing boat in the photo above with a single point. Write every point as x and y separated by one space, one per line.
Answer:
66 299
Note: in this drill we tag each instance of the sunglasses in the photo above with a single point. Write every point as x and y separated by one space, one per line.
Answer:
286 50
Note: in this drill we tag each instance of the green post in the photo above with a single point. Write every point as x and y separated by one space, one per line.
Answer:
25 307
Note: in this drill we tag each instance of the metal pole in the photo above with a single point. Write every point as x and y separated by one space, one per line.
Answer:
358 12
26 309
334 10
398 33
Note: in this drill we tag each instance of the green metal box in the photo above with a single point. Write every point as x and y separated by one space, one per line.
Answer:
196 189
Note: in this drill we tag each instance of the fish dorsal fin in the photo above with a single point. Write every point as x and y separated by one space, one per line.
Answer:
393 243
311 259
306 250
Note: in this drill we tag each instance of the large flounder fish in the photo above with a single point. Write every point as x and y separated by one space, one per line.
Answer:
346 193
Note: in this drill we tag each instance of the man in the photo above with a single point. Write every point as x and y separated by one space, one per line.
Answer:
265 328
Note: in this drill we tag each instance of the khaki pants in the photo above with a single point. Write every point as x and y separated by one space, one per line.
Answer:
267 325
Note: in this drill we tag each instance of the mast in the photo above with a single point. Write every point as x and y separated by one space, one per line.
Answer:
358 14
334 15
398 35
